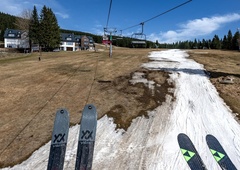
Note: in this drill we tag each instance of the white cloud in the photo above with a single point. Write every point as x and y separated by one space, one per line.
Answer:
64 16
15 7
194 28
26 2
11 7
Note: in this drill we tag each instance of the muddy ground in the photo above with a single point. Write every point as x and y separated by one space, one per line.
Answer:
31 91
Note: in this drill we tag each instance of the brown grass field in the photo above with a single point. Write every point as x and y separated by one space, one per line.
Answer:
31 91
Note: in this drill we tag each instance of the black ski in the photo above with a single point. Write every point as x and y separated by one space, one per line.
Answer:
86 138
59 140
219 154
190 153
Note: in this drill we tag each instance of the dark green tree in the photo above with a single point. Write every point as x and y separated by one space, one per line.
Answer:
34 27
229 40
6 21
224 43
205 43
195 44
49 29
216 43
235 44
55 31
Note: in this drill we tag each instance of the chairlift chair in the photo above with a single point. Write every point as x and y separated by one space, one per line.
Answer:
139 39
120 36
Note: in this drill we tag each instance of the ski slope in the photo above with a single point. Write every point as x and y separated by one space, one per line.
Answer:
151 143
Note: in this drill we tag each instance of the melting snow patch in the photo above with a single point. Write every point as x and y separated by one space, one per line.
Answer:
138 77
151 143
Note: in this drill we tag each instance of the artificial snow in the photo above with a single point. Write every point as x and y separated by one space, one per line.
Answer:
151 143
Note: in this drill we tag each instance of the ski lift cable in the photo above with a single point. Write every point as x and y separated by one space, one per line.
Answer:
109 12
157 15
167 11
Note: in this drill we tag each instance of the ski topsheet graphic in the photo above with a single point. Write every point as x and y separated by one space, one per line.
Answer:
190 153
59 140
219 154
86 138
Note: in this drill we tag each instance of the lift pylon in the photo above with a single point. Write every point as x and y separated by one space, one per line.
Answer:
110 31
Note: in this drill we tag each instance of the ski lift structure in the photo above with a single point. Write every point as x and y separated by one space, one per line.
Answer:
120 36
138 40
110 32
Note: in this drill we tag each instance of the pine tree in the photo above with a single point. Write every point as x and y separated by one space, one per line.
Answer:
205 44
216 44
195 44
235 41
34 27
55 31
229 40
49 29
224 43
43 29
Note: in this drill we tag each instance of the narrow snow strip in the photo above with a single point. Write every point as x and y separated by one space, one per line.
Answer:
151 143
198 111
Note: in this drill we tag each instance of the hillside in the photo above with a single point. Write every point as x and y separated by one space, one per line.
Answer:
144 100
6 21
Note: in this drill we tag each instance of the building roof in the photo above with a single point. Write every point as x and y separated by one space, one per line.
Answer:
77 38
12 33
67 37
90 39
70 37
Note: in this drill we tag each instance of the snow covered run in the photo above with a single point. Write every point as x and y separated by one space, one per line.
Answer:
151 143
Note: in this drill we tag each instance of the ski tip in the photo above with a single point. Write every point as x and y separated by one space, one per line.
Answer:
209 137
62 111
89 111
180 135
90 106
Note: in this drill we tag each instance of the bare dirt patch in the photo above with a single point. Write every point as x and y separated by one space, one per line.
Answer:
136 99
31 91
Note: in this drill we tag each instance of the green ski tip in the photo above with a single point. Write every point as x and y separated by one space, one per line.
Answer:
217 155
187 154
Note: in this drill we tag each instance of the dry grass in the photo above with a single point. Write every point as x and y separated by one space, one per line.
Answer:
31 92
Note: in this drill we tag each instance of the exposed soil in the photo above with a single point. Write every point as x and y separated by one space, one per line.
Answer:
136 100
31 91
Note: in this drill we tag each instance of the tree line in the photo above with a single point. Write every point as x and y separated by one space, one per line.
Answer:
6 21
44 30
228 42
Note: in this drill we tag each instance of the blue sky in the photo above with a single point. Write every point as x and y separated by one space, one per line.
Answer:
197 19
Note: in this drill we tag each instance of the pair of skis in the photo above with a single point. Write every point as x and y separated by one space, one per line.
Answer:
86 139
194 160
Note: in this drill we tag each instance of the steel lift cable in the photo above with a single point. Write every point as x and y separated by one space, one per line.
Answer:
157 15
109 12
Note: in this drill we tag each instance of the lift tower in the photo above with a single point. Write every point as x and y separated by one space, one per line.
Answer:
110 31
